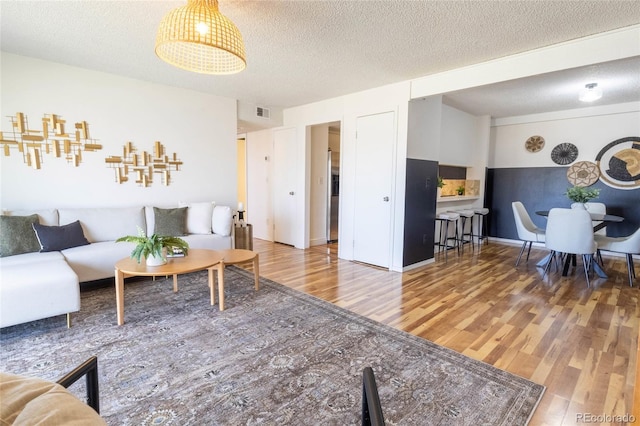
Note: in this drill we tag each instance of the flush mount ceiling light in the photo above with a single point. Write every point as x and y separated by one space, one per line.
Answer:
198 38
590 93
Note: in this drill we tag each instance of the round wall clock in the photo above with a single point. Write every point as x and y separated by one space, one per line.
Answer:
564 153
534 143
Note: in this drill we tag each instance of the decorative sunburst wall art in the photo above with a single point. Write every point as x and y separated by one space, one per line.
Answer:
144 165
51 137
564 153
583 173
619 163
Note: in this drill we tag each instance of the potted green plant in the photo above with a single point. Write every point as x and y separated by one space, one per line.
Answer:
440 185
460 190
581 195
154 247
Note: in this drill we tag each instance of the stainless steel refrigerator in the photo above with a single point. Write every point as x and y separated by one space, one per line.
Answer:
333 190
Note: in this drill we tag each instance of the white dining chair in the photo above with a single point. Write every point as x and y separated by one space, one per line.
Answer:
570 231
528 232
599 208
628 246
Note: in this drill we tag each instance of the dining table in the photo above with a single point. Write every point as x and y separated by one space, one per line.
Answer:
602 220
596 217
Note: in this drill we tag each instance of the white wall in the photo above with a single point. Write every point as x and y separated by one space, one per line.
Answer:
200 128
458 138
424 128
347 109
589 129
465 142
334 145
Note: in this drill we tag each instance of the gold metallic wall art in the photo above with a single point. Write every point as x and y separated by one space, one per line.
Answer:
52 139
144 165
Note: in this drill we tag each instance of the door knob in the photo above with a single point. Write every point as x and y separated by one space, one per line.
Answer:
385 199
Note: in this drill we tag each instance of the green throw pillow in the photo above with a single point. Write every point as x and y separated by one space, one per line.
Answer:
17 235
170 222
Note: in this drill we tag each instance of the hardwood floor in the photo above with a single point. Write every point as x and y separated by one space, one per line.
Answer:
581 343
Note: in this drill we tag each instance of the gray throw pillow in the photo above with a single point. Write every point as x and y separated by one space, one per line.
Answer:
56 238
17 235
170 222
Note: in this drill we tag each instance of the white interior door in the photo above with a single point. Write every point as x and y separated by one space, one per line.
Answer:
374 155
284 189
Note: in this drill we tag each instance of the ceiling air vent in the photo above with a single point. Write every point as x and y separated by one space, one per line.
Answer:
263 112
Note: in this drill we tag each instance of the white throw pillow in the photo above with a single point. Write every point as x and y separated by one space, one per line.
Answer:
199 217
222 220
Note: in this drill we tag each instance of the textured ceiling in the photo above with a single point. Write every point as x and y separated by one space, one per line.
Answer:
557 91
304 51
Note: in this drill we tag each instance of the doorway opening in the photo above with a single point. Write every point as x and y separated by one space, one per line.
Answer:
325 186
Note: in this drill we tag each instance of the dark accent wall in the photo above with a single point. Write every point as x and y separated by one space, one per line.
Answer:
543 188
419 210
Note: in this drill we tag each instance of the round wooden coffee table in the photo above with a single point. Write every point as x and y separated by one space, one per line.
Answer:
233 257
196 260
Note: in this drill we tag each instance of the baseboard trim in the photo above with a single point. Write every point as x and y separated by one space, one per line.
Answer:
419 264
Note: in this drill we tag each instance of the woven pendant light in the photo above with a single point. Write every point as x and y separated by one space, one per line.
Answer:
198 38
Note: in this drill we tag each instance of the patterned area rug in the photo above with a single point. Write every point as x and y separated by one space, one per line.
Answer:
273 357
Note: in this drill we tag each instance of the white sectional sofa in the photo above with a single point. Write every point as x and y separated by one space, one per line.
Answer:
37 285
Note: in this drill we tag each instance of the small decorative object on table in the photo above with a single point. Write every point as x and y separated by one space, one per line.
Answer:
460 190
581 195
154 248
175 252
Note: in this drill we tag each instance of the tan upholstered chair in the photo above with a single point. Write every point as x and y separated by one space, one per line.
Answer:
32 401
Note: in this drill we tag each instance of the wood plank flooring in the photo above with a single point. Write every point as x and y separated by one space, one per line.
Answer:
581 343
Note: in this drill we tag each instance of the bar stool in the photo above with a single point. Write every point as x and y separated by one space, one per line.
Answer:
446 219
466 215
482 214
